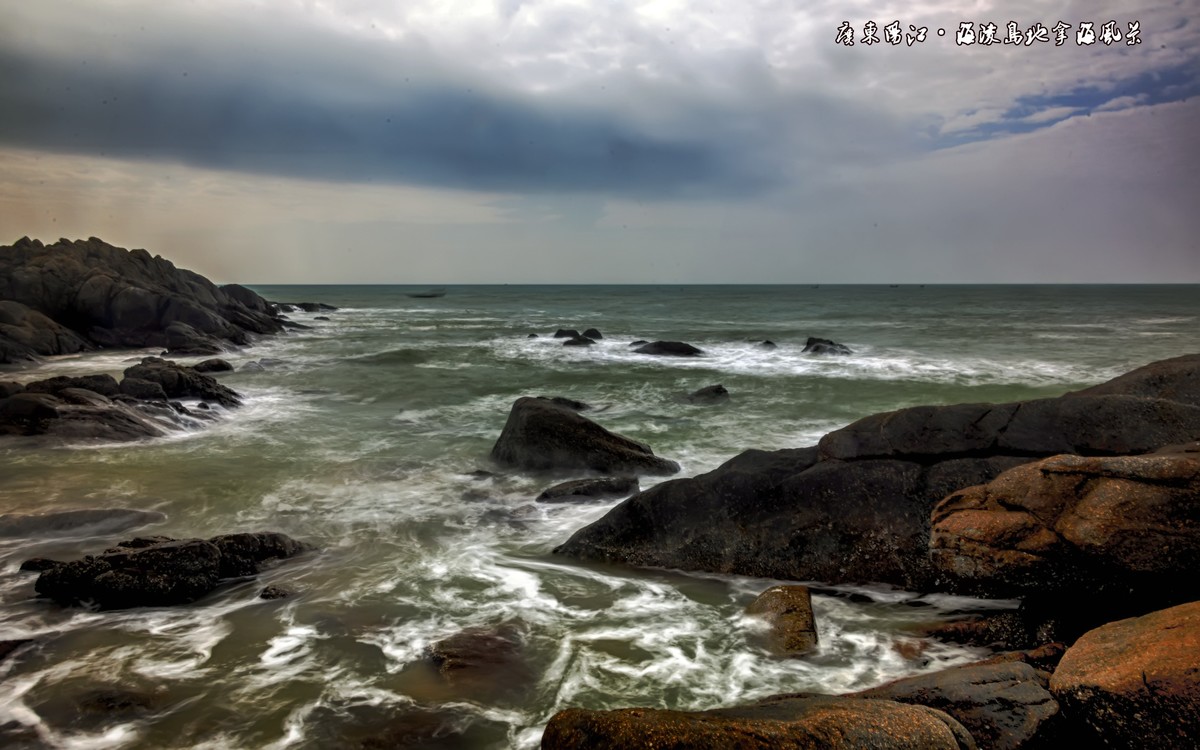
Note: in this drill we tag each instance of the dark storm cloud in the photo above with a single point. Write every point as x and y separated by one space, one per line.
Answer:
330 109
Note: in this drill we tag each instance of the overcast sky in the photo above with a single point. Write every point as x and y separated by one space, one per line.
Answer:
708 141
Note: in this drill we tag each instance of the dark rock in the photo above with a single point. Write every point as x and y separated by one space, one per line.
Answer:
284 307
8 647
314 306
321 317
712 394
112 297
789 611
38 564
1044 658
669 349
247 298
253 367
566 333
105 385
76 523
26 334
1175 379
639 342
1070 525
570 403
482 660
183 382
159 571
593 334
542 435
1135 682
532 336
143 389
768 344
185 341
212 365
589 489
357 725
10 388
274 592
1003 706
95 418
579 341
816 345
793 722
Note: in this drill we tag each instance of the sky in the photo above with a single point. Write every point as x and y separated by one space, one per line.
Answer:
609 141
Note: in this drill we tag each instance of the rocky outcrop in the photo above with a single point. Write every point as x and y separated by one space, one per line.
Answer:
593 333
796 722
669 349
95 417
106 296
1176 379
1003 706
858 506
580 490
542 435
178 381
788 610
816 345
1135 682
579 341
160 571
26 334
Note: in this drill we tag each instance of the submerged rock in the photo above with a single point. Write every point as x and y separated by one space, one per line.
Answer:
483 660
212 365
816 345
543 435
589 489
794 722
789 611
669 349
579 341
160 571
712 394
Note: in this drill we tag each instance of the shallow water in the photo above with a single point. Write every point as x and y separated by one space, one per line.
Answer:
361 439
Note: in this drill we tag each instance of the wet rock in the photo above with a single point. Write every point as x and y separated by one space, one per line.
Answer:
76 523
38 564
1003 706
10 388
26 334
579 341
274 592
1135 681
1176 379
1106 536
593 334
1044 658
105 385
365 726
7 648
570 403
160 571
532 336
144 390
252 367
482 660
768 344
183 382
543 435
816 345
566 333
712 394
589 489
794 722
321 317
212 365
639 342
669 349
78 419
789 611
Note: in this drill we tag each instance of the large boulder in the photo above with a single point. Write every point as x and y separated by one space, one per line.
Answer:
794 722
1113 535
788 610
111 297
178 381
543 435
1176 379
75 415
580 490
1004 706
669 349
160 571
816 345
1135 682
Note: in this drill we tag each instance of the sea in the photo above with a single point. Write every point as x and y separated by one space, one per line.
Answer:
368 435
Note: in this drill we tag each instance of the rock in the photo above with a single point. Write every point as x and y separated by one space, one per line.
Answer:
712 394
185 341
8 647
789 611
247 298
84 417
284 307
570 403
321 317
274 592
1003 706
485 660
10 388
816 345
543 435
669 349
160 571
212 365
589 489
639 342
353 724
183 382
1135 682
26 334
794 722
532 336
111 297
76 523
1044 658
593 334
1175 379
566 333
768 344
38 564
579 341
105 385
1098 534
143 389
314 306
253 367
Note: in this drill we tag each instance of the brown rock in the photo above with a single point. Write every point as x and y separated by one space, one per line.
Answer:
1136 682
789 610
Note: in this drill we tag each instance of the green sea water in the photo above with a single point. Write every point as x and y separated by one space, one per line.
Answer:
361 433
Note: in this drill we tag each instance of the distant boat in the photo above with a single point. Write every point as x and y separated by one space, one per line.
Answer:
428 294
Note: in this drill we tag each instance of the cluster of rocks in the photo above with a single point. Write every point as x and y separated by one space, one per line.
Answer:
573 337
144 403
1086 506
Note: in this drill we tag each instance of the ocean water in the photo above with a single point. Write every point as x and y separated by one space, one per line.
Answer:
361 434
